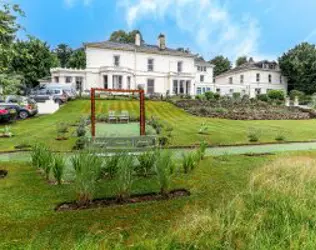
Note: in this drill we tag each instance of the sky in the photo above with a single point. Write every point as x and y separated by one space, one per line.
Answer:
262 29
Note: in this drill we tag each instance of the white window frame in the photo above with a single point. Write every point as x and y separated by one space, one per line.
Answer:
258 77
202 78
242 78
117 63
180 66
231 80
150 80
68 79
150 64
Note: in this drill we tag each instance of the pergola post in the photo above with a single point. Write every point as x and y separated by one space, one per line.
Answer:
93 113
142 113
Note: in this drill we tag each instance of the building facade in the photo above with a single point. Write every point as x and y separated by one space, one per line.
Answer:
155 68
251 79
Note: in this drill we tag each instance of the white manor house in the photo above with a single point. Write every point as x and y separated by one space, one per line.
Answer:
158 70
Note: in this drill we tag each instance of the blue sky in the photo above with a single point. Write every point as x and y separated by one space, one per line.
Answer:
258 28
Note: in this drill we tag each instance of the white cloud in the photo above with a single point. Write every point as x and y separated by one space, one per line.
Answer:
210 23
71 3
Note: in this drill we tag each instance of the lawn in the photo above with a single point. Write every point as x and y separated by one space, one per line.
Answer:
236 202
186 126
27 205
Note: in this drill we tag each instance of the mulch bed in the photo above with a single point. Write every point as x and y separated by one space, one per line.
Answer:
61 138
113 201
3 173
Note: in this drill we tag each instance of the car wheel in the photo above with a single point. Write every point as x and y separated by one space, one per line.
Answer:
23 115
59 102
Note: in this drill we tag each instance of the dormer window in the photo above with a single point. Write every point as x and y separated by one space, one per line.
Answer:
117 61
180 65
150 65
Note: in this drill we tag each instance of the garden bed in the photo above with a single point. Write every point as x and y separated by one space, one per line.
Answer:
113 201
3 173
243 110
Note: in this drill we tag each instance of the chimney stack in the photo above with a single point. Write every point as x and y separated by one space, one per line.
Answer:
162 41
137 39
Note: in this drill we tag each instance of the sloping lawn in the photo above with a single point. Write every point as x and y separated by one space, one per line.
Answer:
27 202
186 127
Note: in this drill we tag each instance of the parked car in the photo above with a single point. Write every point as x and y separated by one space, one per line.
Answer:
7 113
42 95
24 106
68 88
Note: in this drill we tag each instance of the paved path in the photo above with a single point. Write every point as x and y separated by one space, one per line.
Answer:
215 151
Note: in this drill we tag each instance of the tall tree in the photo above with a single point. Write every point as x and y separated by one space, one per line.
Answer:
77 59
299 66
32 60
125 37
222 65
241 60
63 52
8 29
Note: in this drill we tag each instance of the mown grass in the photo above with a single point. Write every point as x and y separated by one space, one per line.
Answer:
28 218
186 126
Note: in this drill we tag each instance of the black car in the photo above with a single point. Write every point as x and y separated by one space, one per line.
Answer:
8 113
25 106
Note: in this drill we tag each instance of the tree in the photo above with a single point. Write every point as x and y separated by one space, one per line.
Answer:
241 60
63 53
8 29
32 60
299 66
77 59
125 37
222 65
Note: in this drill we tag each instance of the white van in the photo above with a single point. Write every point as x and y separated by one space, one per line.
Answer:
68 88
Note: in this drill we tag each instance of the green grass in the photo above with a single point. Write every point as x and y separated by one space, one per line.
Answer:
28 218
185 126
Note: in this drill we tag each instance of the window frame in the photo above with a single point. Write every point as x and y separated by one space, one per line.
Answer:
180 66
150 80
231 80
150 67
118 61
242 79
202 78
258 77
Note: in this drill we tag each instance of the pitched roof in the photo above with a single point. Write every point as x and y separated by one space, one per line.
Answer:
202 62
249 66
146 48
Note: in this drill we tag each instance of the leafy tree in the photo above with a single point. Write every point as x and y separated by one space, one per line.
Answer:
125 37
241 60
63 52
11 84
222 65
299 66
32 60
8 29
77 59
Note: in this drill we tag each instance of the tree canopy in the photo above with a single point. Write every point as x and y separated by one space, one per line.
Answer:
125 37
77 59
299 66
241 60
32 59
221 64
63 53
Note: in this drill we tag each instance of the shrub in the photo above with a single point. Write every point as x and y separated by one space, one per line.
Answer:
221 110
164 169
188 162
101 118
294 93
203 129
125 176
254 134
81 129
217 96
80 143
276 95
280 136
62 128
146 163
236 96
58 167
202 149
199 97
87 168
263 97
209 95
163 140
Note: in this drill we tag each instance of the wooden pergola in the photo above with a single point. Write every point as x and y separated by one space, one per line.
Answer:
141 106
